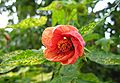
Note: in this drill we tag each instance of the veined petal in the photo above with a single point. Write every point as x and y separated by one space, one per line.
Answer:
49 55
56 57
60 29
46 36
66 56
76 35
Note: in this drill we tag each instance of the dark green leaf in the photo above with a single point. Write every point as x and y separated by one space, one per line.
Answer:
91 36
105 43
71 73
105 58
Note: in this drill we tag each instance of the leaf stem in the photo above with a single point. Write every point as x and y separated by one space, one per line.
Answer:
87 50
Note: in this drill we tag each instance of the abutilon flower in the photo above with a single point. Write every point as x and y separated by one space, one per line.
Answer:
63 44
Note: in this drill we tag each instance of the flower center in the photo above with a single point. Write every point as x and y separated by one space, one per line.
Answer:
65 45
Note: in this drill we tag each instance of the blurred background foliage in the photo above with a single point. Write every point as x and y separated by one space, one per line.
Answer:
21 57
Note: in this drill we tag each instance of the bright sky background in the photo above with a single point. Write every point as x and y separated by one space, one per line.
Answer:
102 4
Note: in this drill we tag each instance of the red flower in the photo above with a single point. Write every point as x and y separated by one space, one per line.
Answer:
63 44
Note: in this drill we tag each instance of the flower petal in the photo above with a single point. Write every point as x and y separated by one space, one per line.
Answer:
59 30
76 35
46 36
78 52
66 56
53 56
49 55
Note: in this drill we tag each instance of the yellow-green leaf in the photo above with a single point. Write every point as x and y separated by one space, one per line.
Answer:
30 22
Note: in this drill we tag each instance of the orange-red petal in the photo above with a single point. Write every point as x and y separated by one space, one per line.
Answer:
66 56
60 29
46 36
50 55
56 57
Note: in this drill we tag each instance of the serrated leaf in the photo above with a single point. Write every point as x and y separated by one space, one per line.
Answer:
30 22
20 57
88 28
105 58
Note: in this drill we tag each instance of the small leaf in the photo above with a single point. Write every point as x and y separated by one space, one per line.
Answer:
30 22
105 58
20 57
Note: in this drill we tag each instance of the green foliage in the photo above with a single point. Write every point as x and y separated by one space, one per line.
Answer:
64 12
71 73
20 57
105 58
91 36
26 75
104 43
57 12
30 22
81 8
20 65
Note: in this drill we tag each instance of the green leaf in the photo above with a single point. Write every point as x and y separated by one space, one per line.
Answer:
88 28
58 17
62 12
20 57
87 78
30 22
57 11
91 36
105 43
82 9
52 6
105 58
62 79
27 74
72 74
